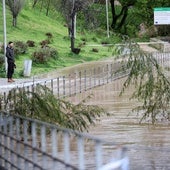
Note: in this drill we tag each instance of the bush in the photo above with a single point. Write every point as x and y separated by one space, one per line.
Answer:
44 43
95 50
20 47
30 43
53 53
1 60
2 66
42 55
49 37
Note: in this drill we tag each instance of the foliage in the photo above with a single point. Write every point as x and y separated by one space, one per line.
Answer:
49 36
119 19
30 43
42 55
15 7
20 47
44 43
43 105
1 60
2 67
38 23
152 87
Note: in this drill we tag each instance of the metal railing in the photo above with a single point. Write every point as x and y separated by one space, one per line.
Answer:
31 144
77 82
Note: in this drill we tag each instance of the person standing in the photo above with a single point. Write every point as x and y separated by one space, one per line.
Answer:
10 61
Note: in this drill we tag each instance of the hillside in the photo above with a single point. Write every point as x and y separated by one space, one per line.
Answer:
33 25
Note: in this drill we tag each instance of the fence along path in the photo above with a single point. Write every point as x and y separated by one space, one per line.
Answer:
74 83
35 145
32 144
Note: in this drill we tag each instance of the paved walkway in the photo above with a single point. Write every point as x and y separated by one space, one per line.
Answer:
5 86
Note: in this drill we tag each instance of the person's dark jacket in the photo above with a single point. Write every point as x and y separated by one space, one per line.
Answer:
10 54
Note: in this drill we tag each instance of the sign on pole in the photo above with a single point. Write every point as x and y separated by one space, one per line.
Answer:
162 16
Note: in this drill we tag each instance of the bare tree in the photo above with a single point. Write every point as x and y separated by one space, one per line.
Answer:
69 9
15 7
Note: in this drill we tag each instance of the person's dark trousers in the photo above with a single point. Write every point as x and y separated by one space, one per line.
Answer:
10 70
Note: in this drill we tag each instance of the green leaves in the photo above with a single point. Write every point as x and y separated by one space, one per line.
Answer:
40 103
152 87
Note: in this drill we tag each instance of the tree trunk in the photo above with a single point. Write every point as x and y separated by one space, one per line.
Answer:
48 7
113 14
14 22
122 22
35 2
72 31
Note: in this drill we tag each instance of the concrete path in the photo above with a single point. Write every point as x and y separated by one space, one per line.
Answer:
5 86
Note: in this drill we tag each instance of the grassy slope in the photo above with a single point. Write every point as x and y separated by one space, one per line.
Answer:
32 25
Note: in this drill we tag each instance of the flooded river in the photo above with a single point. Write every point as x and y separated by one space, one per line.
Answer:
148 145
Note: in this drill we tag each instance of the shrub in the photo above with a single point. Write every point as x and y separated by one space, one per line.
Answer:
42 55
49 37
53 53
95 50
44 43
30 43
20 47
2 66
1 60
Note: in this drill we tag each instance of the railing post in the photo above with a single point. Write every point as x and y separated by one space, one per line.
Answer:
80 81
34 141
64 86
54 146
107 74
98 154
85 80
11 133
75 88
90 79
104 75
94 75
69 85
25 135
81 153
58 87
6 143
43 145
99 74
52 86
66 147
18 136
111 70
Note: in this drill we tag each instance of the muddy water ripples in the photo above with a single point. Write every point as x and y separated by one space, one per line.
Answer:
148 145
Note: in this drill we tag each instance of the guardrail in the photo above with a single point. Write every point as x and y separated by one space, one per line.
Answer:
74 83
31 144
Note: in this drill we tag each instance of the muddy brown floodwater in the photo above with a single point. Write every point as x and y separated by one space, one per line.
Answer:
148 145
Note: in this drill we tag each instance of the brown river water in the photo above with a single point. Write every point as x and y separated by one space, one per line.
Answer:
148 145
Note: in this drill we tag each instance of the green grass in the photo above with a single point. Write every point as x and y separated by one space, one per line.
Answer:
33 25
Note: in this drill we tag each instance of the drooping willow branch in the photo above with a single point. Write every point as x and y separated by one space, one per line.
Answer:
152 87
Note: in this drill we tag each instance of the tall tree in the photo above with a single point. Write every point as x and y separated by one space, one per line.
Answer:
69 9
118 19
15 7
